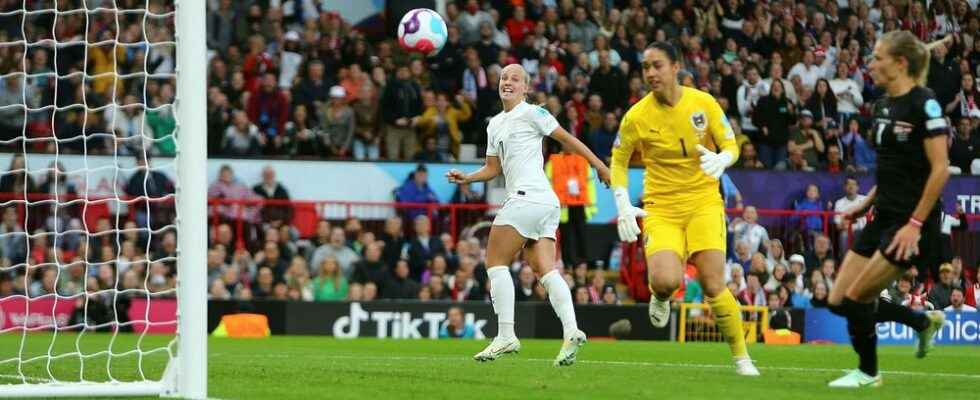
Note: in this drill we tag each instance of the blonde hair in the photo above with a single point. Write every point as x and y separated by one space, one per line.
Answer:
917 54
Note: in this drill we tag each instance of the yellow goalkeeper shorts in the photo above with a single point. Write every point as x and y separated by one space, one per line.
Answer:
684 228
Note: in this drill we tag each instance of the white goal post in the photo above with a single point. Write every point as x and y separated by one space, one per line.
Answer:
185 374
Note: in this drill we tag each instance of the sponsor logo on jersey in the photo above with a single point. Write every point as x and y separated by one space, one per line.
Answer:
933 110
902 130
616 142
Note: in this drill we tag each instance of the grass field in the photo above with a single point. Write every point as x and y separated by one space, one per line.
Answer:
298 367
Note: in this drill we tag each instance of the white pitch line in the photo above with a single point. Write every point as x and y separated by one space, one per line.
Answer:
27 378
630 363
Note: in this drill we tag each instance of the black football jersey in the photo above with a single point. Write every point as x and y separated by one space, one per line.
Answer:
900 126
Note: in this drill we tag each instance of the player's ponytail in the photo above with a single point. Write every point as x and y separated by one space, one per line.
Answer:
903 44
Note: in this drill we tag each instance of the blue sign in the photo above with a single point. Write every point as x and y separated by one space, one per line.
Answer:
960 328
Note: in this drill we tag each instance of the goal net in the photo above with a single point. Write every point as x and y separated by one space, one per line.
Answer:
102 205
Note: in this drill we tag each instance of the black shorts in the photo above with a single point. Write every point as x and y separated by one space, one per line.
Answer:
878 235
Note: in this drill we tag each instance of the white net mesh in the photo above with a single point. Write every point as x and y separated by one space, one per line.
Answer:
87 239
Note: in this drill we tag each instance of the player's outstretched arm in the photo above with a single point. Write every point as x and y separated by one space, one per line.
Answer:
626 223
491 169
576 146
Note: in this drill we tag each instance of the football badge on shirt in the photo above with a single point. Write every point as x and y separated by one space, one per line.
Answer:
700 122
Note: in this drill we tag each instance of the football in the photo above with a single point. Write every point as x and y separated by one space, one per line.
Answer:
422 31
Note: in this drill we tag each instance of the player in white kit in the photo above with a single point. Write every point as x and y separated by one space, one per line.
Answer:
530 214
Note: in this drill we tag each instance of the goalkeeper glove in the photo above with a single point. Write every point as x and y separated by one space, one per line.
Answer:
626 220
714 164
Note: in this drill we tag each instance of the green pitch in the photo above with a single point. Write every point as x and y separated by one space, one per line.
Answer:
296 367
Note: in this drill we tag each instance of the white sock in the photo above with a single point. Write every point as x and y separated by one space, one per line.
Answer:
502 297
561 300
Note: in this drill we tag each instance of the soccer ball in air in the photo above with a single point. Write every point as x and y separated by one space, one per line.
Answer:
422 31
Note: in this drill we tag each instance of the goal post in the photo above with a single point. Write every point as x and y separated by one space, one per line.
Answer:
192 309
49 355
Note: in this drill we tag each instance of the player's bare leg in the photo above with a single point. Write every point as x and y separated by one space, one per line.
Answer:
665 272
541 255
502 246
728 315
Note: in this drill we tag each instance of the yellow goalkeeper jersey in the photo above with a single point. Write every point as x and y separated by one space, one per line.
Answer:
667 138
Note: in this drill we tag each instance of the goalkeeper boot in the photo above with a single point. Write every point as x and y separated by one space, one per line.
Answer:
927 336
856 379
498 347
659 311
569 349
745 367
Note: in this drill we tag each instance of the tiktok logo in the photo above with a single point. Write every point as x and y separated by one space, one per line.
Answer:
398 324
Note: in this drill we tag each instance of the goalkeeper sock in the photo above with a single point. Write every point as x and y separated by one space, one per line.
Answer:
729 320
861 328
888 311
560 297
502 297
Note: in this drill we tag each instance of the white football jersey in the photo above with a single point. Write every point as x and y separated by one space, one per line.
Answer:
516 138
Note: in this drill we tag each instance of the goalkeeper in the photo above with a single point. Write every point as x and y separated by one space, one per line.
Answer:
673 127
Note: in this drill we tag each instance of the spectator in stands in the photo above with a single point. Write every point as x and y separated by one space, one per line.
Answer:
773 115
851 199
228 188
835 163
775 278
822 250
811 202
153 186
271 189
442 122
400 285
270 257
401 106
847 92
330 283
268 109
819 299
337 124
942 290
242 138
965 147
226 26
748 229
264 280
422 247
775 254
581 30
957 302
337 249
525 284
394 241
743 255
437 266
748 157
609 82
753 294
455 326
437 288
857 152
416 190
470 21
823 104
749 94
367 139
602 139
807 141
